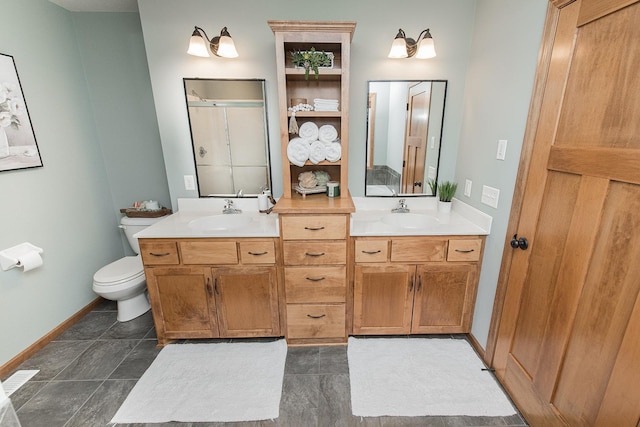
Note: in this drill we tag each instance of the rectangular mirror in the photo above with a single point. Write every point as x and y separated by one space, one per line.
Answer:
228 123
404 135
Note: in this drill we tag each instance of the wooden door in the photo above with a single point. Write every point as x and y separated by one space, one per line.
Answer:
182 301
383 299
445 296
415 143
247 301
568 345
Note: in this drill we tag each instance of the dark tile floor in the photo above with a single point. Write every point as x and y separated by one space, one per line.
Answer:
87 372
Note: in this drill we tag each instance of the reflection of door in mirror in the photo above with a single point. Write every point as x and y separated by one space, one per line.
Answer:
229 135
406 122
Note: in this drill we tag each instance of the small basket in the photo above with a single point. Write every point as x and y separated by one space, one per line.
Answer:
296 101
145 213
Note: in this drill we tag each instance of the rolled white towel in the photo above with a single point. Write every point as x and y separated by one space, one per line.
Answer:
327 133
318 152
333 151
298 151
308 131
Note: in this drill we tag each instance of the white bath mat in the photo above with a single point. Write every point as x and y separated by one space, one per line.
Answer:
209 383
420 377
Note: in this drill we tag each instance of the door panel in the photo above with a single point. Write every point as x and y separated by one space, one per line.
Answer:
415 144
571 302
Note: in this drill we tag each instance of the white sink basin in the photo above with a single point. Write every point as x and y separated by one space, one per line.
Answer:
219 222
409 220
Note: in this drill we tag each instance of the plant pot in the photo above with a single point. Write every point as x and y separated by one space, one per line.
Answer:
444 207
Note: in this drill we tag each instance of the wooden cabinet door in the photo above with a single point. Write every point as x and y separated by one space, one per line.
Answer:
247 301
568 327
383 299
182 301
444 299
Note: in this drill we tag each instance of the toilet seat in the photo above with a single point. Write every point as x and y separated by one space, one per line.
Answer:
125 269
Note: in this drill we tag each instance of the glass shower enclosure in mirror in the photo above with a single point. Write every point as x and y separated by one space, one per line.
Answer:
404 135
228 123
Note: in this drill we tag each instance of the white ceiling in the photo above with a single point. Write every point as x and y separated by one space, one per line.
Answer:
98 5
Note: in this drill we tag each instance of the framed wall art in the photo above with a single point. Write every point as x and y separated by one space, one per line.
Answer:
18 146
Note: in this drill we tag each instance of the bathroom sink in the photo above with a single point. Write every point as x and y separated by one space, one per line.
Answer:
409 220
220 222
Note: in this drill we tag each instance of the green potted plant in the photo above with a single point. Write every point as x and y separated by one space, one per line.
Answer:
433 186
311 59
446 191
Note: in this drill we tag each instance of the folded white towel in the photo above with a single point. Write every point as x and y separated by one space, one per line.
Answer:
325 100
327 133
298 151
333 151
317 152
308 131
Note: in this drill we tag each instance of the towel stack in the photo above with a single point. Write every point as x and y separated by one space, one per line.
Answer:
320 104
315 145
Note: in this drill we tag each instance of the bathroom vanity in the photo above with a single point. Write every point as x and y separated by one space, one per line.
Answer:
314 278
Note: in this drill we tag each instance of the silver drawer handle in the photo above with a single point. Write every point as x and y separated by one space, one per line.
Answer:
316 317
308 254
258 253
315 279
314 228
371 252
164 254
465 251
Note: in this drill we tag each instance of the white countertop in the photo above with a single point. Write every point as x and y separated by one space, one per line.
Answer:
370 212
366 221
177 224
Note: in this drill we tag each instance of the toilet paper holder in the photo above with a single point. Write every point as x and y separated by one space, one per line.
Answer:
10 258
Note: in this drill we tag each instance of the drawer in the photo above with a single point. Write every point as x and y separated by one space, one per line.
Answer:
315 253
159 253
316 321
417 250
257 252
314 227
464 250
315 284
371 250
194 252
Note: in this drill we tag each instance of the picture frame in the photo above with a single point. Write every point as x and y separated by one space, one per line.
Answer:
18 145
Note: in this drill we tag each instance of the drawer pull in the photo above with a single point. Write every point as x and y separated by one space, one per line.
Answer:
320 254
316 317
371 252
314 228
315 279
258 253
209 290
468 251
164 254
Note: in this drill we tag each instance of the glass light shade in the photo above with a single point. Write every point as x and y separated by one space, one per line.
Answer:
198 46
226 47
426 48
398 48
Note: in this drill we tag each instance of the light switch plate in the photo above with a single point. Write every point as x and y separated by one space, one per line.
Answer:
502 149
467 187
189 182
490 196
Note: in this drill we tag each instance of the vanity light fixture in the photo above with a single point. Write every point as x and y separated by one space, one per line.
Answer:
406 47
220 46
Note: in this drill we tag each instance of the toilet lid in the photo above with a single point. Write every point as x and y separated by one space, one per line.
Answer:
125 268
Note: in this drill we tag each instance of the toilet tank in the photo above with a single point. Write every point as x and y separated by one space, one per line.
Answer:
132 225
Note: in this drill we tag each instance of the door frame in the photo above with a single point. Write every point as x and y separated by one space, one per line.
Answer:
533 117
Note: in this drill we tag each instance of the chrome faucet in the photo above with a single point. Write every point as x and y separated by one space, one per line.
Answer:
229 209
401 208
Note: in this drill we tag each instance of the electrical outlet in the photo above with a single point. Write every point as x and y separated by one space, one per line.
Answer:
490 196
189 182
467 187
502 149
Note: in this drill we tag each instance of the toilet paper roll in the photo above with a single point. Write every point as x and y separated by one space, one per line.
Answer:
30 260
263 202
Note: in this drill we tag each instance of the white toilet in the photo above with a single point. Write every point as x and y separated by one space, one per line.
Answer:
123 280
